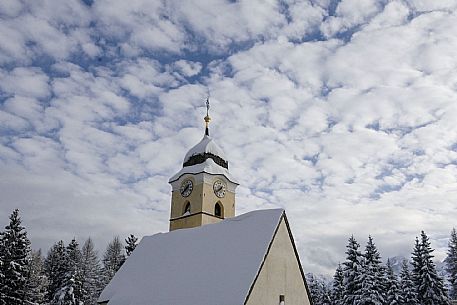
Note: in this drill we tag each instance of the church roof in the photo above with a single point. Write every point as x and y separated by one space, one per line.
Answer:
208 265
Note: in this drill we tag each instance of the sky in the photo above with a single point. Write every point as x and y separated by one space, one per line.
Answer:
341 112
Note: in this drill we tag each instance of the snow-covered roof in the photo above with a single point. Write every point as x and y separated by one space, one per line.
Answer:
208 166
214 264
215 164
206 145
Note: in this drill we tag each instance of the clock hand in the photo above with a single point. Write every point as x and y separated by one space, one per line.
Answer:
219 189
186 188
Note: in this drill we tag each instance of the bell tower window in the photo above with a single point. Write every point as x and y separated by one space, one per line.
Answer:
186 208
218 210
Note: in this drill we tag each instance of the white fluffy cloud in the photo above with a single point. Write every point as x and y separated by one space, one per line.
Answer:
342 114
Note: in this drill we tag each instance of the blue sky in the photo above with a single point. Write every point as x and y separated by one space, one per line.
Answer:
341 112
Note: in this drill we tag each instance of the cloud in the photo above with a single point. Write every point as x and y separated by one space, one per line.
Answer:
188 68
29 82
52 28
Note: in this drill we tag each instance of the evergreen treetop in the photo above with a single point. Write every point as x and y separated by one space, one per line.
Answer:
407 288
2 275
130 244
352 269
14 256
113 258
430 288
91 272
320 294
56 268
71 291
338 286
451 264
372 276
37 283
393 295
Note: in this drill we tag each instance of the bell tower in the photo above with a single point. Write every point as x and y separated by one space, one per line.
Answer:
203 191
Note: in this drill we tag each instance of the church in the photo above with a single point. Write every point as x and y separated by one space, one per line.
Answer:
210 256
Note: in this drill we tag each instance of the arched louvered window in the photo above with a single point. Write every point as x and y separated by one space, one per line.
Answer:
218 210
186 208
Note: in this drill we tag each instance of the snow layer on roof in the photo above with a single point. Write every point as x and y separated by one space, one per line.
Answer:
206 145
209 166
210 265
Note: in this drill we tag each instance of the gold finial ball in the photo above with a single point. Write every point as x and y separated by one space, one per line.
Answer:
207 119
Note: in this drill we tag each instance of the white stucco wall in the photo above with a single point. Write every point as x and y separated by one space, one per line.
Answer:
280 275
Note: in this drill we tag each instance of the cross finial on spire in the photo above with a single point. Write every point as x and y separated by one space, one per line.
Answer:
207 118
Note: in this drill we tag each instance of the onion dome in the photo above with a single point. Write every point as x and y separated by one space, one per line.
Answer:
205 149
205 157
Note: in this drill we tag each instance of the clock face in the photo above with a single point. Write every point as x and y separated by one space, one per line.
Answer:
186 188
219 188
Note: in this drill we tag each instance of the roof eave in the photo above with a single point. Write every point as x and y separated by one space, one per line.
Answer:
176 178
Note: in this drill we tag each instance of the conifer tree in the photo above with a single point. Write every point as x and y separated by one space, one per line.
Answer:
451 264
407 288
338 286
326 294
351 272
36 285
313 289
15 260
372 276
393 296
2 276
71 292
416 263
430 288
112 259
56 268
320 294
91 272
130 244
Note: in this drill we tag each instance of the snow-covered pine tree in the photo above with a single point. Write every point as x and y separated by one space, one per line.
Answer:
91 272
416 263
430 287
352 269
36 285
113 258
320 294
55 266
2 276
130 244
372 277
393 296
451 264
313 289
338 286
71 292
326 294
407 288
15 260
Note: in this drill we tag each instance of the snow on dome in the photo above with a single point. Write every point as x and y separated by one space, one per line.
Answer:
208 265
208 166
206 145
205 157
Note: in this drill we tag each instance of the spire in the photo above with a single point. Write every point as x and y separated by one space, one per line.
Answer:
207 118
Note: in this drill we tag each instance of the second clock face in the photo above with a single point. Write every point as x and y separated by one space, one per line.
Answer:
219 188
186 188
